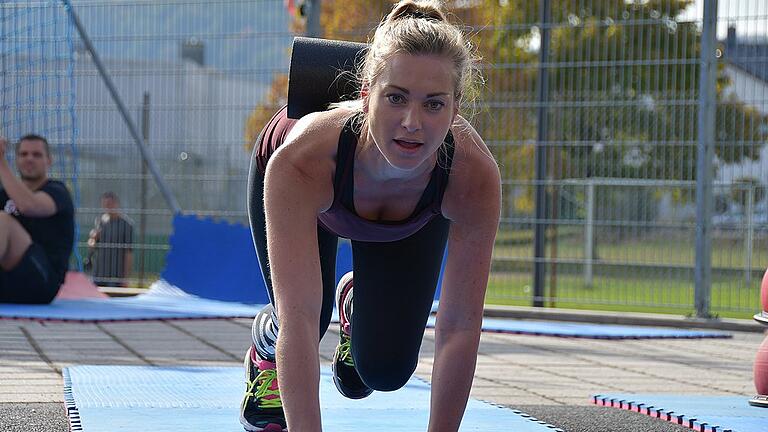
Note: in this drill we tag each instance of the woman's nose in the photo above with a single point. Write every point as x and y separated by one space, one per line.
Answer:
412 120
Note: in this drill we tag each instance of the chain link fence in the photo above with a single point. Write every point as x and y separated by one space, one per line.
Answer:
607 153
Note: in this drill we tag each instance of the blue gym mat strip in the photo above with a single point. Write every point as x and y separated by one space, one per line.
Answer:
167 302
700 413
161 306
168 399
589 331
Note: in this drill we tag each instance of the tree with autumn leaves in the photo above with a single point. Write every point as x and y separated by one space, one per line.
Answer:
345 20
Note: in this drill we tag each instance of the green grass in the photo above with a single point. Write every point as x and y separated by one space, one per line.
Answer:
640 272
624 295
681 251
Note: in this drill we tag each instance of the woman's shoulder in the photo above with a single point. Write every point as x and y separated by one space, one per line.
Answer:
307 159
316 133
316 130
471 153
311 145
320 125
474 177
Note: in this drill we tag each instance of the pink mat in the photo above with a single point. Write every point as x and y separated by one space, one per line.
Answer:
78 286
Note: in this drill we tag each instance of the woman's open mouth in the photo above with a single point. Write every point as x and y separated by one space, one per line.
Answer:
408 145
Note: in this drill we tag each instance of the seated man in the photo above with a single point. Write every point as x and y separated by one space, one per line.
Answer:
36 225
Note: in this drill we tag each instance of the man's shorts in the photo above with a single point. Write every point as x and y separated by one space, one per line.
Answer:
31 281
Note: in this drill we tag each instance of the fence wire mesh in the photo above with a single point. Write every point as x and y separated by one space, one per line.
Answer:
617 145
620 148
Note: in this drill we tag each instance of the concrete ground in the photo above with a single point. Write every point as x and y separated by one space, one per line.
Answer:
550 378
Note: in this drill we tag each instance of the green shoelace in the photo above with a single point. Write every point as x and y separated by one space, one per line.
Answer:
345 350
264 381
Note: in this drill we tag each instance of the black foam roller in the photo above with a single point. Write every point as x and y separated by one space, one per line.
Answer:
316 76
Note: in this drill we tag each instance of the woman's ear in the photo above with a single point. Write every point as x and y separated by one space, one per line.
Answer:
456 104
364 95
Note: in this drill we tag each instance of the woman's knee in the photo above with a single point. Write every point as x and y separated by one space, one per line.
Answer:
385 372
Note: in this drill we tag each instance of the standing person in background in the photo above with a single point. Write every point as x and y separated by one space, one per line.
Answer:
37 225
400 174
110 244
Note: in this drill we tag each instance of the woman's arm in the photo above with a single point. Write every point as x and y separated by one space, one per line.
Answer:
473 203
297 187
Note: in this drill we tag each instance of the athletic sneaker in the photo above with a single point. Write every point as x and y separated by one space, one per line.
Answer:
345 375
261 410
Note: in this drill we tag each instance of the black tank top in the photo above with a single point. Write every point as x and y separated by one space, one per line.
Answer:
342 219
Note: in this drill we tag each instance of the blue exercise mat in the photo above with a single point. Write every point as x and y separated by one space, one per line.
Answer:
590 331
162 301
700 413
172 399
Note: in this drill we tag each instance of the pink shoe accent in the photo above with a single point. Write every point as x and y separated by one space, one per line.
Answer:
346 328
254 355
264 364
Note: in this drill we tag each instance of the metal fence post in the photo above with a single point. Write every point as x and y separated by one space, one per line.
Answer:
143 215
704 156
313 19
589 233
749 239
540 232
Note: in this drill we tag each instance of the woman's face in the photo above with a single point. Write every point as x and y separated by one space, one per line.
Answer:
410 108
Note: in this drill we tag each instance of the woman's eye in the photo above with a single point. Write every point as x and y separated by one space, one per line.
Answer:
435 105
395 98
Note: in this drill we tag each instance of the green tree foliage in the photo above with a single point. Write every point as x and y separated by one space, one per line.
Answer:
623 87
345 20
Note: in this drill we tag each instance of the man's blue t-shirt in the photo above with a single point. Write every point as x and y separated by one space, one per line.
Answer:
56 234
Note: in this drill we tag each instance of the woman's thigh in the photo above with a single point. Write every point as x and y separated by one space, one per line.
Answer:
394 287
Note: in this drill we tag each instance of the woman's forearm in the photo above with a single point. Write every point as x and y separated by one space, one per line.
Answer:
452 374
299 375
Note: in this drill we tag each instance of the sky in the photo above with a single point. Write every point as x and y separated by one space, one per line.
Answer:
750 17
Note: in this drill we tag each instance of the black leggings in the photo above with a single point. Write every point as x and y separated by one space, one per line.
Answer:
394 287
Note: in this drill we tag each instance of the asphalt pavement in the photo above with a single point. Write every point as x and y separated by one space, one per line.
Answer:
550 378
